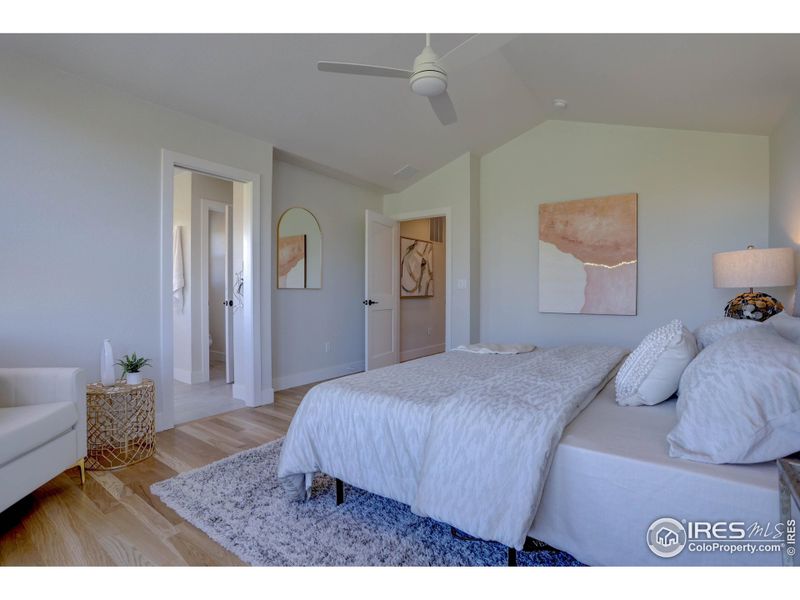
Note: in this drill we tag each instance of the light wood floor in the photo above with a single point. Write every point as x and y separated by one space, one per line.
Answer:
115 520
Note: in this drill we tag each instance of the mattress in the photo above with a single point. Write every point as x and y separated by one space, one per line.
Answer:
612 476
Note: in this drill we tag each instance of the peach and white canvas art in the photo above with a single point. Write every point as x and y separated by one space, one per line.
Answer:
588 256
292 261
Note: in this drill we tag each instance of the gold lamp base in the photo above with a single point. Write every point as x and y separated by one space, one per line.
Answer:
756 306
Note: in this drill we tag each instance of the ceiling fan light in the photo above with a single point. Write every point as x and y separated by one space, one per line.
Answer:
429 83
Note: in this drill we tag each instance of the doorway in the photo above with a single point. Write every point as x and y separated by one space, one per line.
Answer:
210 302
423 287
382 300
207 242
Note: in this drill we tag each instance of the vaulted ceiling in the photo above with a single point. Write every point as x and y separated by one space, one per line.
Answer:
268 86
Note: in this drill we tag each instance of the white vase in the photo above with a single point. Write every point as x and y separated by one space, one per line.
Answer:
133 378
107 376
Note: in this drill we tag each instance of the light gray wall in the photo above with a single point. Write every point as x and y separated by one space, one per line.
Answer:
80 187
784 207
699 193
304 320
454 187
475 247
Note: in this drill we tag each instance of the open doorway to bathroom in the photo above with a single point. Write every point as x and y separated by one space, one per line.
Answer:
423 287
207 247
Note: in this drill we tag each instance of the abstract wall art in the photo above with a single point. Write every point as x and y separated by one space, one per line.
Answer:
588 256
416 268
292 261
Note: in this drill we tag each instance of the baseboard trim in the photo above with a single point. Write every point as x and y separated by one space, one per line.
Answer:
289 381
238 391
161 424
420 352
186 376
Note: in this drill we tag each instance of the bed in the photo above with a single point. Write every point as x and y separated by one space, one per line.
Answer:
612 476
454 436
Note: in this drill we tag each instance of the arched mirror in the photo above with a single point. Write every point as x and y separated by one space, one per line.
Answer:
299 250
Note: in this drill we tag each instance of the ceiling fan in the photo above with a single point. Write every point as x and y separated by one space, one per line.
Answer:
429 74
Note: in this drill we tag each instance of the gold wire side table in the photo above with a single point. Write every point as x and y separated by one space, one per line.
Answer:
120 424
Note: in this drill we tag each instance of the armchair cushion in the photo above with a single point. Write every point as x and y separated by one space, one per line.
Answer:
24 428
25 386
21 387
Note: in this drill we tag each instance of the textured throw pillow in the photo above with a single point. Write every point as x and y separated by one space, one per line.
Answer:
716 329
739 401
651 373
787 326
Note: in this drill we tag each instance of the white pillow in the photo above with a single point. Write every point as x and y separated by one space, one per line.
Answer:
716 329
787 326
739 401
652 372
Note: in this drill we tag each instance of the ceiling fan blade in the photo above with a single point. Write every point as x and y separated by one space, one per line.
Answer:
356 69
474 48
442 105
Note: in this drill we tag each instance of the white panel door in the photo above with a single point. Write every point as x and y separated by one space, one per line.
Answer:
382 293
228 294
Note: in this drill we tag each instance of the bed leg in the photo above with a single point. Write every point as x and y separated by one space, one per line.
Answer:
512 557
339 492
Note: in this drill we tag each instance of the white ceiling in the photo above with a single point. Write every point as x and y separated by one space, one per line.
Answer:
267 86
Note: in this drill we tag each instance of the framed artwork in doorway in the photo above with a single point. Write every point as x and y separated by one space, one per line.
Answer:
416 268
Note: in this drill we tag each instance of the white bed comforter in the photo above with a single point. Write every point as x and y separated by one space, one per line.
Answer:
463 438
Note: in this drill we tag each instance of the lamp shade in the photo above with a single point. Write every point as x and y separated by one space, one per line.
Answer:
754 267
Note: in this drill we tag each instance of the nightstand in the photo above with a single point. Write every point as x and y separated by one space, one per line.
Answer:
120 423
789 484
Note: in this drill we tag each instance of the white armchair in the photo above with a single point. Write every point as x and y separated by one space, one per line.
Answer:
42 428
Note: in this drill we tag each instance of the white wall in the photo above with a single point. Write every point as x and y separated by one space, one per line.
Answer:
784 207
699 193
453 187
80 187
422 320
306 319
182 311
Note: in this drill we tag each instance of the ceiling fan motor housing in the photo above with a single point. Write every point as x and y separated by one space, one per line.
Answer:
429 78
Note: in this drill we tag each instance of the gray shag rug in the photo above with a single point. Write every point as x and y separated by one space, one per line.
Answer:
239 503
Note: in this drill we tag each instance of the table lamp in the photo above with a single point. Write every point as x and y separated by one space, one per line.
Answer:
754 267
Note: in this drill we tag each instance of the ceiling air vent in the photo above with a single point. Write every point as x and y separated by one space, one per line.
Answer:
406 172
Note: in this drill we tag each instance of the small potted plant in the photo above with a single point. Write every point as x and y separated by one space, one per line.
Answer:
131 368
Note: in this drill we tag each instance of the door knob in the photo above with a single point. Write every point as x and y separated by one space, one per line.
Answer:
369 302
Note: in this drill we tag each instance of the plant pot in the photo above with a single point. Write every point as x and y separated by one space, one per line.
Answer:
133 378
